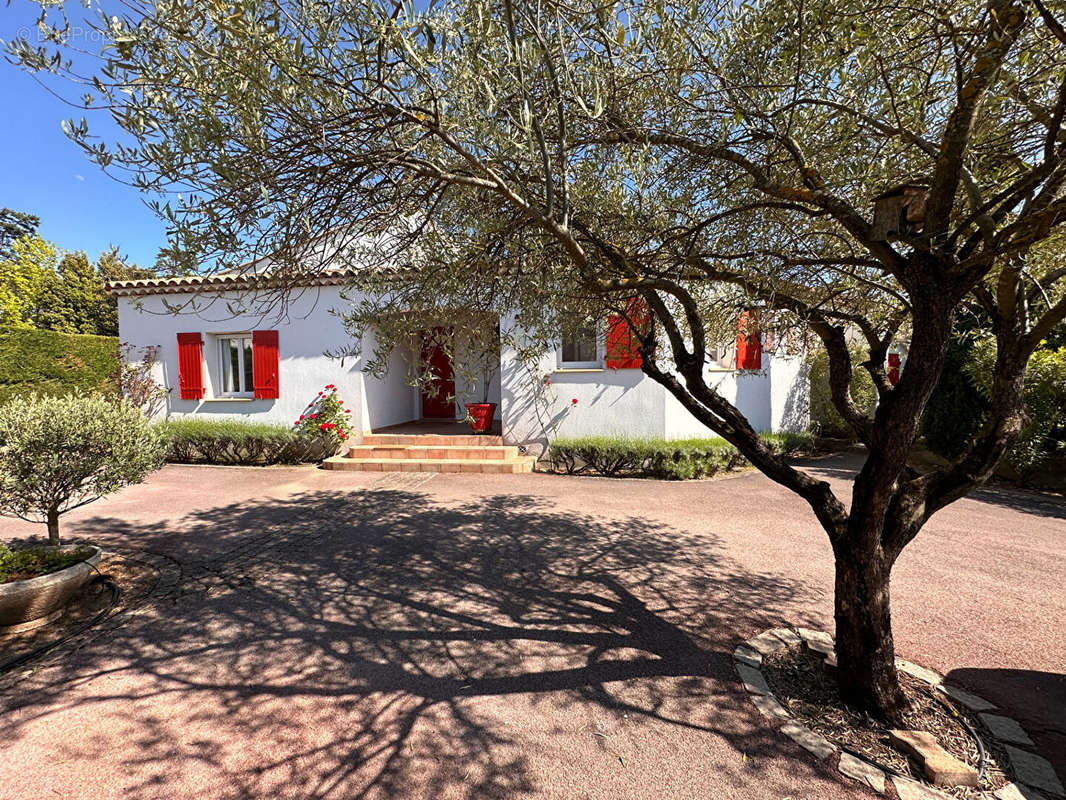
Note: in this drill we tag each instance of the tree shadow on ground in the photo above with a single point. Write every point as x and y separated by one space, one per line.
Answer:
1036 699
1041 504
377 644
843 467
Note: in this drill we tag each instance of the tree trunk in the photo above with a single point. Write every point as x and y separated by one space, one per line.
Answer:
866 665
53 527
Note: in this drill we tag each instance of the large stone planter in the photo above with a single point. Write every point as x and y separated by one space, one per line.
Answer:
32 602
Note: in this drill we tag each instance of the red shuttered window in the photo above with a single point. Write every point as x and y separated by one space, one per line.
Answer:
623 344
190 366
749 343
265 365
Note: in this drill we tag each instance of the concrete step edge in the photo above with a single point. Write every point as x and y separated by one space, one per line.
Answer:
508 465
430 440
486 452
517 459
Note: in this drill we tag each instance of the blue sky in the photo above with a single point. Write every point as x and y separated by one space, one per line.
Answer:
44 173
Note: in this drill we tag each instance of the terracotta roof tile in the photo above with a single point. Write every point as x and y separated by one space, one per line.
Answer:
224 282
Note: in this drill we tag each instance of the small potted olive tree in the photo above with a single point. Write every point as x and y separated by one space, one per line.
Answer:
57 454
481 363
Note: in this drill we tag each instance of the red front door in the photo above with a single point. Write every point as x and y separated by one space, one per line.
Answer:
441 402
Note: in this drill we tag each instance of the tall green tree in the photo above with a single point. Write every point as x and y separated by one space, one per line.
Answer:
23 275
550 160
72 298
15 225
113 266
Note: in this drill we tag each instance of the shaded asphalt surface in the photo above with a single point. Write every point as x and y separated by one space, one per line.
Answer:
341 635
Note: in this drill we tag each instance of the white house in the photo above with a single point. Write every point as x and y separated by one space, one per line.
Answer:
223 352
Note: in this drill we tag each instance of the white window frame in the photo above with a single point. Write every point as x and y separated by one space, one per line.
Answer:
596 364
221 360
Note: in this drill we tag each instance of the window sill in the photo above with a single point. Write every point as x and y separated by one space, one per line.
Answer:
229 399
572 370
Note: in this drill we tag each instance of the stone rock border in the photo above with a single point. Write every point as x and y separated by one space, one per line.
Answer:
1036 777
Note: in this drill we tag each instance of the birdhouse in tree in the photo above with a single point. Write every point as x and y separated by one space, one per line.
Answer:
899 211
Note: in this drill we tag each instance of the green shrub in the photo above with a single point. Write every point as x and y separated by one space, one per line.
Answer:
957 408
233 442
59 453
29 562
1045 402
825 419
665 459
961 400
51 363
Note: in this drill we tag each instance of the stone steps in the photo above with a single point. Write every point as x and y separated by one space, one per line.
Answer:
465 465
438 452
431 440
397 452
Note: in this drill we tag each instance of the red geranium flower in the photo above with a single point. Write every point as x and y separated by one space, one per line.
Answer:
313 416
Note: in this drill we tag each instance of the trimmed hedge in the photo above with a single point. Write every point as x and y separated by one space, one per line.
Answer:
231 442
49 363
665 459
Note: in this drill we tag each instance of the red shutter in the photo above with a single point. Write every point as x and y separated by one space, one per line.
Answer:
749 343
265 364
623 345
190 366
893 368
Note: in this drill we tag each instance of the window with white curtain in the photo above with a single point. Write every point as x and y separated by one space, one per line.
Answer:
235 365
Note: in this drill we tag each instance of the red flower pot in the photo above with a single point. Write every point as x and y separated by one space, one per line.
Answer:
481 415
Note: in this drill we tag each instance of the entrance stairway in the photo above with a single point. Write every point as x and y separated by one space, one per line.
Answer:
392 452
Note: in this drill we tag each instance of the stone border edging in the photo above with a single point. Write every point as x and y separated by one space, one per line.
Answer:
1035 775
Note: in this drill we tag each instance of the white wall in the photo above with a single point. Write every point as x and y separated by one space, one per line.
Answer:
391 399
306 331
680 424
775 399
538 405
790 396
538 401
470 382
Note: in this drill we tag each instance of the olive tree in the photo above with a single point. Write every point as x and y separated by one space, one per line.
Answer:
552 160
60 453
